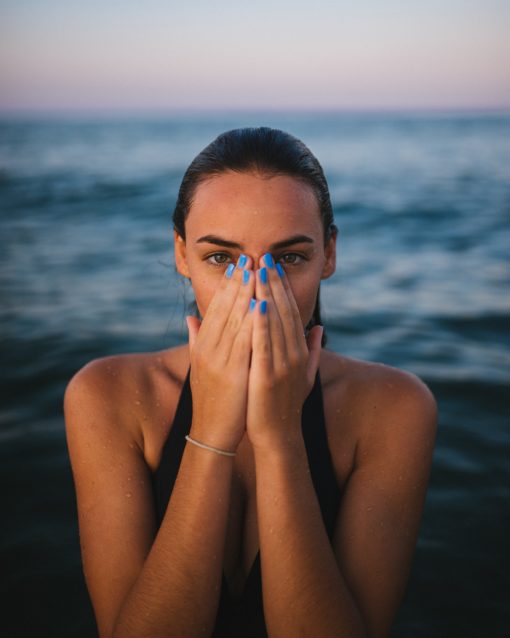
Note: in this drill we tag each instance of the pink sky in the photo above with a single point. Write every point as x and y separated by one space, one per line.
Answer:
152 55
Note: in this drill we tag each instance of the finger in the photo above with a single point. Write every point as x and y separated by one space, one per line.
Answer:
296 319
276 333
261 358
220 307
240 353
193 324
235 320
314 343
292 331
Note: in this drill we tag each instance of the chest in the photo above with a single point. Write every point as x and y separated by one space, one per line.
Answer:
241 534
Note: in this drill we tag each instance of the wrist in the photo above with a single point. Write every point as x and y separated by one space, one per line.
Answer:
209 448
211 437
278 444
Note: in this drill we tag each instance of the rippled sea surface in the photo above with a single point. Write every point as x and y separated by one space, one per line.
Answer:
423 283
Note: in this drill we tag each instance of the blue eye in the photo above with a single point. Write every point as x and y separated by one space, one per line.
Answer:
218 259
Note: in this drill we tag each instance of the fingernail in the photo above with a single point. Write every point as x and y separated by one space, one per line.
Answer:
246 277
229 271
263 307
268 258
253 303
279 270
263 275
241 263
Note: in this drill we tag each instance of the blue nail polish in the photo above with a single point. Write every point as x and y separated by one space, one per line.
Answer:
246 277
263 307
253 303
263 275
242 261
229 271
268 258
280 270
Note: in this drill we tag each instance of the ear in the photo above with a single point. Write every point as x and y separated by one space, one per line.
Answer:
330 253
180 255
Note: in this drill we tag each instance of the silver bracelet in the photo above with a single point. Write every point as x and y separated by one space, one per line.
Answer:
208 447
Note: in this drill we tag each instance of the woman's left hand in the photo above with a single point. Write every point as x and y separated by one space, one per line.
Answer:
284 363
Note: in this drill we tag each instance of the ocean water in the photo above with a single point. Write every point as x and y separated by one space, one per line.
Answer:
422 202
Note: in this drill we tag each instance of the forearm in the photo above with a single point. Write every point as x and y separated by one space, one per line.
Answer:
177 592
304 592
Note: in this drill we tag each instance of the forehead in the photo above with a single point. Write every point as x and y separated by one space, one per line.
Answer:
241 204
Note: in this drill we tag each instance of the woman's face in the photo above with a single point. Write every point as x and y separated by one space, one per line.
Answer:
236 213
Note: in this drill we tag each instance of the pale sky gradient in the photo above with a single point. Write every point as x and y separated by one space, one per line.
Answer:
332 54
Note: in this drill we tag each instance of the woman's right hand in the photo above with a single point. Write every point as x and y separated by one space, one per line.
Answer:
220 352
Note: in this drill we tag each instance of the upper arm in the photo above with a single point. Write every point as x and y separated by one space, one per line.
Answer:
379 518
113 491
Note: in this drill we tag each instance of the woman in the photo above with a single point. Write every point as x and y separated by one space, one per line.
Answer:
251 482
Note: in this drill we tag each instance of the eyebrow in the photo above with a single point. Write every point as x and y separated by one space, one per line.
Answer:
219 241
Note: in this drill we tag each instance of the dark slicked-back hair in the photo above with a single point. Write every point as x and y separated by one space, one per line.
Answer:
262 150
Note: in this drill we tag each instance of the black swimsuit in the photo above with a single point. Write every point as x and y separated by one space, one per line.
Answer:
244 618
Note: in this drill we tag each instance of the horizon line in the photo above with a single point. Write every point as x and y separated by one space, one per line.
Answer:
191 111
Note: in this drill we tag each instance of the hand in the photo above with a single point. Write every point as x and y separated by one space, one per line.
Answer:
284 363
220 352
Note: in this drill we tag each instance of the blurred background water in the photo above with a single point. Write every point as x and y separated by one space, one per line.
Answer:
423 206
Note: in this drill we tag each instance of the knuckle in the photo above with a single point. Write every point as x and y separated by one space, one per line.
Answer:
286 314
295 359
265 350
234 323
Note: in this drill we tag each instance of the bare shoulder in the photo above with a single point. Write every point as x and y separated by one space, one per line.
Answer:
134 393
381 430
117 410
372 404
